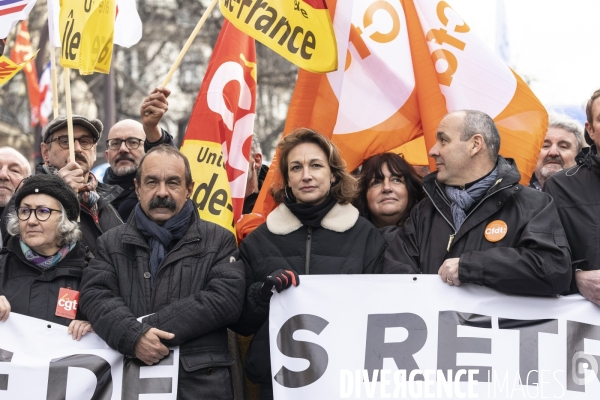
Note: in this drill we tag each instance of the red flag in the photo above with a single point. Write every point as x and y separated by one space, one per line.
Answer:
20 53
218 138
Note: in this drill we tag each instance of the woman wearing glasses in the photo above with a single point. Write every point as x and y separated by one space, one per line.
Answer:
42 263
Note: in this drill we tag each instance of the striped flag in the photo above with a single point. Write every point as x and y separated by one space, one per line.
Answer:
11 12
45 95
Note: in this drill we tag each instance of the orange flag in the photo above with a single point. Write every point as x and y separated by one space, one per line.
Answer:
21 53
403 66
219 135
454 70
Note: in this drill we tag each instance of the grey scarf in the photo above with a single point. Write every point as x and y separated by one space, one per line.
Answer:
463 200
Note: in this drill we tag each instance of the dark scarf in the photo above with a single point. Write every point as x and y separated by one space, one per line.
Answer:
162 238
125 181
87 195
308 214
463 200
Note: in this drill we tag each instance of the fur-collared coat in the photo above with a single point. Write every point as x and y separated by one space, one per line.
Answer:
344 244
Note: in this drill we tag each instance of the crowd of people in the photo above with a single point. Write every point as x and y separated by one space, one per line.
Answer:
152 274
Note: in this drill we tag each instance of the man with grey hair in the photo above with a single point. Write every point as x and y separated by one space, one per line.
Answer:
478 224
563 141
14 167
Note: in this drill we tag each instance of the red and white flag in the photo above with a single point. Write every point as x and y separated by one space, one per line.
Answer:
11 12
219 135
45 95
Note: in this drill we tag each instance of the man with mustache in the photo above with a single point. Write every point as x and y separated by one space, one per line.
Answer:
478 224
14 167
96 215
128 141
576 192
563 141
179 271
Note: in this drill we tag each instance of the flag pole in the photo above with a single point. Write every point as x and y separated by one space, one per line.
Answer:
66 76
187 45
54 83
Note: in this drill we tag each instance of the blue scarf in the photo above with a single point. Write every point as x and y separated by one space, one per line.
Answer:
463 200
162 238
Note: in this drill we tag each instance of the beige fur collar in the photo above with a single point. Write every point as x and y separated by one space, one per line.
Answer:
340 218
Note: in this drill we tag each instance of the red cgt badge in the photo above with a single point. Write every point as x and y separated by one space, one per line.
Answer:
68 300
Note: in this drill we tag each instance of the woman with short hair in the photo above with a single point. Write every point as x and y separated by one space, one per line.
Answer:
315 230
43 254
389 189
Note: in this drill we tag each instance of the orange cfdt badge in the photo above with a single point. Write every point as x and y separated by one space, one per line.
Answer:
495 231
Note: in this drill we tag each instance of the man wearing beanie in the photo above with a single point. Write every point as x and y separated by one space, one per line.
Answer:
97 214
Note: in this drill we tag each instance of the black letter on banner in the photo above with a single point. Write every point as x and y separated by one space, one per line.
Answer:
449 344
377 349
315 354
59 372
5 356
528 343
577 360
133 385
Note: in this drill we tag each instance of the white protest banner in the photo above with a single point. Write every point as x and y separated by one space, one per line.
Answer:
39 360
407 336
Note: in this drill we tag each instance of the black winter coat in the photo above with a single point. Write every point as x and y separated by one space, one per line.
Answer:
532 259
32 291
198 290
90 229
576 193
344 244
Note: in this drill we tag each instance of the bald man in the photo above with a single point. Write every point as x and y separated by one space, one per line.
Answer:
14 167
128 141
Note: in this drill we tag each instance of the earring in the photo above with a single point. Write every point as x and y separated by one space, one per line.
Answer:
285 193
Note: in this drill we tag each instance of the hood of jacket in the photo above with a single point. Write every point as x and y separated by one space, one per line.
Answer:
342 217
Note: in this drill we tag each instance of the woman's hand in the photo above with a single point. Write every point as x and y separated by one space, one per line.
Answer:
79 328
280 280
4 308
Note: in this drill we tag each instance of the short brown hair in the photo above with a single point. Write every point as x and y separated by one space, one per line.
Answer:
588 106
345 187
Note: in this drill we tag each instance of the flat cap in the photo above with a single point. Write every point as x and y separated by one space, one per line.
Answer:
94 126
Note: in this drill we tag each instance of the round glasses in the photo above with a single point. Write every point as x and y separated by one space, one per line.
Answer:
86 142
41 213
131 143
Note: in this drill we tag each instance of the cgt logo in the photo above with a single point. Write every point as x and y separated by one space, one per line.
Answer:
66 306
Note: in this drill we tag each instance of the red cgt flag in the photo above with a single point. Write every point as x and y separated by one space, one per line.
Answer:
219 135
21 53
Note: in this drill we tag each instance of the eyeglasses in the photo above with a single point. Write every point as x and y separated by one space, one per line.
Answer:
86 142
41 213
131 143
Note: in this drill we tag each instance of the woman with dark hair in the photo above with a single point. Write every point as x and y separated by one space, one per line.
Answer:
389 189
314 230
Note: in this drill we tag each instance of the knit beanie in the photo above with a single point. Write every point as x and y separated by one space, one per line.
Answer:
51 185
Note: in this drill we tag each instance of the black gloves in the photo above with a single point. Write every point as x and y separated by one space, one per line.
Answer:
280 279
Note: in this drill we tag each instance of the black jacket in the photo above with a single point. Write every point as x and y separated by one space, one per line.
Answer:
32 291
126 201
532 259
576 193
345 244
107 215
198 290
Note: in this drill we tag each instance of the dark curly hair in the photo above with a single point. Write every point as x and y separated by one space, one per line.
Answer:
372 169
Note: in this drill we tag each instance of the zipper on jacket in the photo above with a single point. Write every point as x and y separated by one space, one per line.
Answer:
450 242
307 261
451 238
